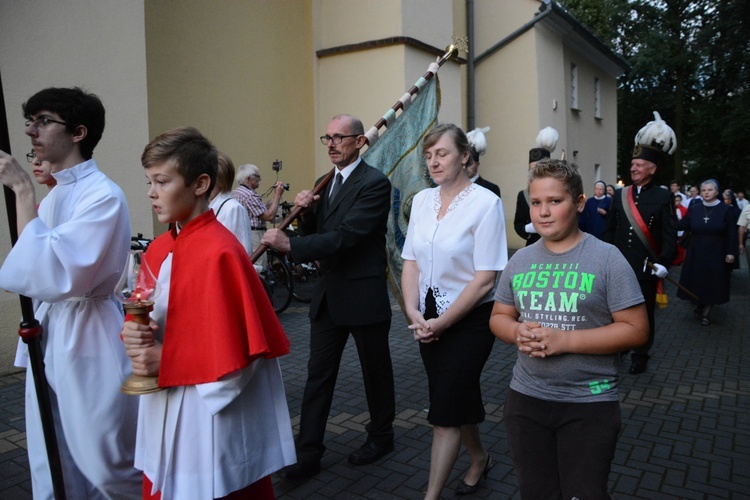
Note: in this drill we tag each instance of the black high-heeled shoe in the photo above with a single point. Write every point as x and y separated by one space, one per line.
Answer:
469 489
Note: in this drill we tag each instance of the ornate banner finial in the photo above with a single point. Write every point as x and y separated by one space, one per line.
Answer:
461 43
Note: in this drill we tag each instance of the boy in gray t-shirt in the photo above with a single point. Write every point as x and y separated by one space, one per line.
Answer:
571 304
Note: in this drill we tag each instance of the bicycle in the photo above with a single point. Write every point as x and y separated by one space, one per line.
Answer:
277 280
304 274
304 277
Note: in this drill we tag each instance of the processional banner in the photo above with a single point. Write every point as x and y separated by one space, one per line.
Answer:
398 154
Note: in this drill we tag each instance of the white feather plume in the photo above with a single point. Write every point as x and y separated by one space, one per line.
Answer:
547 139
657 132
477 139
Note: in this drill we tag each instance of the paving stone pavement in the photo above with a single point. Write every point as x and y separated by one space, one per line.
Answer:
686 421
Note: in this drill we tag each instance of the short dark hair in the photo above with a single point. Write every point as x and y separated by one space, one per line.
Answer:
565 172
455 133
75 107
189 149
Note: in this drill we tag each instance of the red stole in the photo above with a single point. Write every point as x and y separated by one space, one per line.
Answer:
641 229
219 318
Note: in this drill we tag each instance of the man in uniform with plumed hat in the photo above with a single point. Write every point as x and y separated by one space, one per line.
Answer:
478 148
642 222
546 141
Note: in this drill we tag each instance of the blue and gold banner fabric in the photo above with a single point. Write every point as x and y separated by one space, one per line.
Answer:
398 154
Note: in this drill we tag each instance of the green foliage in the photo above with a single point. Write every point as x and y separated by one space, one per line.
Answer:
690 60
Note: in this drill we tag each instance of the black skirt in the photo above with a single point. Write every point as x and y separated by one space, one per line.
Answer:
454 366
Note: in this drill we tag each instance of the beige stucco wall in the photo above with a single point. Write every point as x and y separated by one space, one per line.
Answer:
95 44
366 83
593 138
494 20
508 102
523 88
241 72
507 96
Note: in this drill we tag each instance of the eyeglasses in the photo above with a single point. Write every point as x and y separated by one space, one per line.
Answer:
335 139
42 121
30 157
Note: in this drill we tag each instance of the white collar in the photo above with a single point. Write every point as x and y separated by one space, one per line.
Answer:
347 171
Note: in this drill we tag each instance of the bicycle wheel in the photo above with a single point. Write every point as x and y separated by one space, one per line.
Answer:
266 286
305 276
279 281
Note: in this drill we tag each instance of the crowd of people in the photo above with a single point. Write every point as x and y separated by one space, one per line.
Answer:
578 297
708 243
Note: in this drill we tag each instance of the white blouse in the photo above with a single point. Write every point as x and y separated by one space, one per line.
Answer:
234 217
449 252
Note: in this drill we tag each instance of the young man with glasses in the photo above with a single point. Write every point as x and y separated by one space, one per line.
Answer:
344 228
68 258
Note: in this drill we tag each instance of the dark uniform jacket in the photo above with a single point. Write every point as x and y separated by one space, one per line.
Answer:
349 241
656 206
488 185
523 217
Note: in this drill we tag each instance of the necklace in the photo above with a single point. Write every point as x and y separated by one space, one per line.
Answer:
707 213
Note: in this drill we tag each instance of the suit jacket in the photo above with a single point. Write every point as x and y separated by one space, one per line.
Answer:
523 217
656 206
488 185
348 239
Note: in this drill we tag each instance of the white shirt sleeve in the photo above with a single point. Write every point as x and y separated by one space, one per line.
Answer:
217 395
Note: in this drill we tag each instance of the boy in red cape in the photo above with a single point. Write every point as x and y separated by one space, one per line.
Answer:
221 425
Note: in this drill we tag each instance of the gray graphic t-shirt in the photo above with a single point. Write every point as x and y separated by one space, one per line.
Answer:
575 290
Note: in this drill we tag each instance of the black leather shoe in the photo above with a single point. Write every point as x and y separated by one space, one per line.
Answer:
370 452
300 472
638 366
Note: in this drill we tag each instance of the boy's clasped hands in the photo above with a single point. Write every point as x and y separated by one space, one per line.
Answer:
537 341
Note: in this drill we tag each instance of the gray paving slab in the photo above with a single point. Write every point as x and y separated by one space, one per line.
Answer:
686 421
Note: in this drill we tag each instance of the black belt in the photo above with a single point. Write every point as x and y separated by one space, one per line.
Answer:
258 228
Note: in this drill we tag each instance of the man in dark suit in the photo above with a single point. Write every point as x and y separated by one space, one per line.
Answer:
657 211
546 141
344 228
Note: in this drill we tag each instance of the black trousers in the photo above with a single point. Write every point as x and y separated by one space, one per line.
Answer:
648 288
561 450
327 342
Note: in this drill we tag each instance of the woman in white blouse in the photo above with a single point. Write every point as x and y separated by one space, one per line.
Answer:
455 246
229 211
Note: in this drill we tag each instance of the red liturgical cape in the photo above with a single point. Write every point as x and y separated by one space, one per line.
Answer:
219 318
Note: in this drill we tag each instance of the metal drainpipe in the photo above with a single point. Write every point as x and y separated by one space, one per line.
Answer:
470 118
